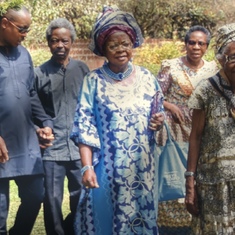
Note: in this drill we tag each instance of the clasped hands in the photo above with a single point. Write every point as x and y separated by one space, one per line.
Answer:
45 137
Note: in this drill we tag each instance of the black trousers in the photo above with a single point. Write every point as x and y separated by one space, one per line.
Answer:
55 173
31 193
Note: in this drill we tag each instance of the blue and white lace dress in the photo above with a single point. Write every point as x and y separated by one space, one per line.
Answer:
112 117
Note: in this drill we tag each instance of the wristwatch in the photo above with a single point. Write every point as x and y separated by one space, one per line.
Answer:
188 173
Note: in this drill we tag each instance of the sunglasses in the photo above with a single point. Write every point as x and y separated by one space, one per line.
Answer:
199 43
21 30
230 58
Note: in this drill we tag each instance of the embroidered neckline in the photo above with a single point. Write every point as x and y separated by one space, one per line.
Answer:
118 76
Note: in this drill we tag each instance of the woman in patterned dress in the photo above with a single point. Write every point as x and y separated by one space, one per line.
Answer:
115 142
178 77
210 190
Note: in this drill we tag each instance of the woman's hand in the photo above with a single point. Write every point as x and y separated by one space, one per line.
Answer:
3 151
156 121
191 201
176 113
89 179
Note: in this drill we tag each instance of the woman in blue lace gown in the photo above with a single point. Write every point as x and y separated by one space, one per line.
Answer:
113 127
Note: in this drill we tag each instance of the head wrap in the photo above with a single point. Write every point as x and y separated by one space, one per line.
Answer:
111 21
225 35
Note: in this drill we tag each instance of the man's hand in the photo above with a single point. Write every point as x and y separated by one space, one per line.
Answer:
45 137
3 151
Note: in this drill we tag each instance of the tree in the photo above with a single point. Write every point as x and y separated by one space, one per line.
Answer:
166 19
157 18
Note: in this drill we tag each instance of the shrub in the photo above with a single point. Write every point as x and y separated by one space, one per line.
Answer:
210 54
151 56
40 55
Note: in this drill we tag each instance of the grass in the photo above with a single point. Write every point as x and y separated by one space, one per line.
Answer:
39 225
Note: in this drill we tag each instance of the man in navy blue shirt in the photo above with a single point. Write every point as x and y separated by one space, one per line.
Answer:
20 156
57 83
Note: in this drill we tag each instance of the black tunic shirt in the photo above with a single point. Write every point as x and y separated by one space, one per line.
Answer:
58 88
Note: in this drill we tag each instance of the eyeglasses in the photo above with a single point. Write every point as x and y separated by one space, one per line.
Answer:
199 43
124 46
230 58
21 30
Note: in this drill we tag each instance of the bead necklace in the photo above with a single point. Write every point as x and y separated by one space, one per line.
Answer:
118 76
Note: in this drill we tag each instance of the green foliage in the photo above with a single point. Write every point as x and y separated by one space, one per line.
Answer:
191 13
40 56
81 14
42 13
5 5
39 228
157 18
210 54
166 19
151 56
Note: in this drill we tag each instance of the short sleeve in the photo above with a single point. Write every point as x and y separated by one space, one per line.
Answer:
164 76
199 96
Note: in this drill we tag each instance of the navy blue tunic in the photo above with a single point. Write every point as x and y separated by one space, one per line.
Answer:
19 104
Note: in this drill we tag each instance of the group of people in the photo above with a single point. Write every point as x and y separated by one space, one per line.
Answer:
100 128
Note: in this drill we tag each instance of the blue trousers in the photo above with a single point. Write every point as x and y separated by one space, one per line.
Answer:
55 173
31 193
